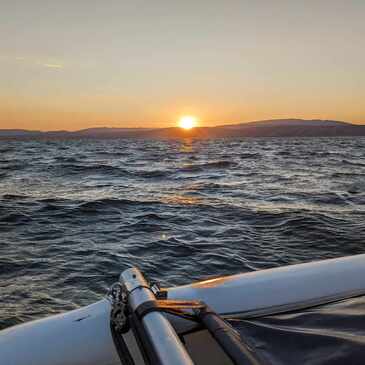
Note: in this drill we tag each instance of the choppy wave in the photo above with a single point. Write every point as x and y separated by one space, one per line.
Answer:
198 167
74 214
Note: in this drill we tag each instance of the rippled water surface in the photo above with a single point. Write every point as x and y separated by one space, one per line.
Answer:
74 214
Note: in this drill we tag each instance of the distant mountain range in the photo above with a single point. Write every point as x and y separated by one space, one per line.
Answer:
263 128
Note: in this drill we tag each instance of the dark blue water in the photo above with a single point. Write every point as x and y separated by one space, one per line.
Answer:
74 214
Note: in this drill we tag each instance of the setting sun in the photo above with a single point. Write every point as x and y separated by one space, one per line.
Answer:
188 122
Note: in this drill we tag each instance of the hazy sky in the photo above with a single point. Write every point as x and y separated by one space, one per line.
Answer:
79 63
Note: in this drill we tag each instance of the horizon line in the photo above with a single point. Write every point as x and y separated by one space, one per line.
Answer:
225 124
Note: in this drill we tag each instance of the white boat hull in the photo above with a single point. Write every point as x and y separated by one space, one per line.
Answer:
83 336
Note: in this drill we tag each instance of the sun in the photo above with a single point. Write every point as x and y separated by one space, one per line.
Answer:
188 122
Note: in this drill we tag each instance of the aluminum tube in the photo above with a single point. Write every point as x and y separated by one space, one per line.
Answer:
163 337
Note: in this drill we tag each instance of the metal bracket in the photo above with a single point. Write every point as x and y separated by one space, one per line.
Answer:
118 317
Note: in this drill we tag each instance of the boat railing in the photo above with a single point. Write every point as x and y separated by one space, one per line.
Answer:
136 308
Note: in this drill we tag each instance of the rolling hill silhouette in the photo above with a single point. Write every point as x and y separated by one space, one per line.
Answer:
264 128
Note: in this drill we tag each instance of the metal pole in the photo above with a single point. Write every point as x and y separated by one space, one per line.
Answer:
163 337
228 339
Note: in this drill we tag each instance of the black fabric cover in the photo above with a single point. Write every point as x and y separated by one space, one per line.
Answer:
328 334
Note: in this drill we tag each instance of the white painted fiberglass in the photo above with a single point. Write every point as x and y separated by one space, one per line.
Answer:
78 337
285 286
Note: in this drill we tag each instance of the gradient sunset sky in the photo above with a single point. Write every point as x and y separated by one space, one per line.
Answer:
75 64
